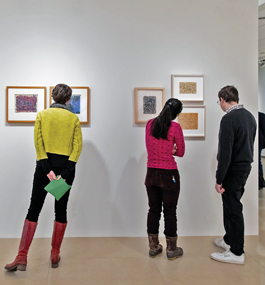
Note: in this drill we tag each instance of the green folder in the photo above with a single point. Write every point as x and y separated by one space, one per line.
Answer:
57 188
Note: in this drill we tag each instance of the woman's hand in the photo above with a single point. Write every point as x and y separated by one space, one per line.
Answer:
174 150
51 175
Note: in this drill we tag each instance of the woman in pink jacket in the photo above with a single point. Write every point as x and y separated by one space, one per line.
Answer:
164 138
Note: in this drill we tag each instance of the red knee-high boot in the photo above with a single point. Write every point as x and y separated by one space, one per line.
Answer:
57 238
20 262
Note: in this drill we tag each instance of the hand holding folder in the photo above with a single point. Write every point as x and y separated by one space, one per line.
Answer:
57 188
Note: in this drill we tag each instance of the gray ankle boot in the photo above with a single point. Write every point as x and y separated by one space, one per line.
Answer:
155 247
172 250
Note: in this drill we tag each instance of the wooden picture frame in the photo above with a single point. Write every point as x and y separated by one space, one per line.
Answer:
148 103
80 102
187 88
24 102
193 121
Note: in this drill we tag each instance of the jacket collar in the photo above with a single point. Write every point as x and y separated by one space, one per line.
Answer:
62 106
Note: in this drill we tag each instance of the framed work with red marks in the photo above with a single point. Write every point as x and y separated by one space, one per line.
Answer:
24 102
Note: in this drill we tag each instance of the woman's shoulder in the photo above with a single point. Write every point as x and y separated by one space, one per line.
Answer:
175 125
53 112
149 123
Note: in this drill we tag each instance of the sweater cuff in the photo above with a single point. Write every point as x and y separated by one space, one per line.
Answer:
68 169
45 165
219 179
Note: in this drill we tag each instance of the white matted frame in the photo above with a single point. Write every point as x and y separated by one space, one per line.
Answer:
199 112
24 102
148 103
83 92
187 87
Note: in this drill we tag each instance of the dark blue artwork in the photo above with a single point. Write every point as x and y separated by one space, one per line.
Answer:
75 102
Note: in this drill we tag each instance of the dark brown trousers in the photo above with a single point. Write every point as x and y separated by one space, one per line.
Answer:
163 186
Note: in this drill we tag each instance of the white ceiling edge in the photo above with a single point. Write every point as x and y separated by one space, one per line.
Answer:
261 2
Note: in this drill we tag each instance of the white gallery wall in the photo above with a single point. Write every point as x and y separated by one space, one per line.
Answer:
113 46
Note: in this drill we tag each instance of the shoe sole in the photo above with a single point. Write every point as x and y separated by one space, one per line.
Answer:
221 246
226 261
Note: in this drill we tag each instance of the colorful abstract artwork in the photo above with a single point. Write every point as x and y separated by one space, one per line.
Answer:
187 87
76 103
26 103
188 121
149 104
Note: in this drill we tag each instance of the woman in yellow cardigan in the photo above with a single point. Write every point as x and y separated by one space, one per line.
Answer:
58 143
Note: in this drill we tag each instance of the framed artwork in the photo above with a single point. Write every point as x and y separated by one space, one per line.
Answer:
187 87
192 121
79 103
23 103
148 103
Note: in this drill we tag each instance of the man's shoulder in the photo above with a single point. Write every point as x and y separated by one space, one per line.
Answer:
240 115
241 112
246 114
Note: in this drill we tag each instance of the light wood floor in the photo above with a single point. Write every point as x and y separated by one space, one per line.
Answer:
125 261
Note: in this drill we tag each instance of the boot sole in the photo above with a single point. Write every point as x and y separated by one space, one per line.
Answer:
175 257
20 267
55 265
153 256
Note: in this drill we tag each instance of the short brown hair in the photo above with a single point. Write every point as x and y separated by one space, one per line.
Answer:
61 93
229 93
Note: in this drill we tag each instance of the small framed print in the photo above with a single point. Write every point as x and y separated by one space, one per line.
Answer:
23 103
192 121
148 103
187 87
79 103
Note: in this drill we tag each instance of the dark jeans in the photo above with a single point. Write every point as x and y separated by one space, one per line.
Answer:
162 191
234 184
39 194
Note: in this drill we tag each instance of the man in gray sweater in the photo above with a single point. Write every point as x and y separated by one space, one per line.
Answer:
235 155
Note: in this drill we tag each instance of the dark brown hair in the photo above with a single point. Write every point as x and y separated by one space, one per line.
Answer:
229 94
61 93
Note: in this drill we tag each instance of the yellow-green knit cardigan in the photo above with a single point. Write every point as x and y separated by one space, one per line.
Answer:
57 131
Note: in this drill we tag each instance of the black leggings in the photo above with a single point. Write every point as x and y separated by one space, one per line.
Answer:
39 194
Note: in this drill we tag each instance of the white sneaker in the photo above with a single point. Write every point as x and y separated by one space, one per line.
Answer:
228 257
221 243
